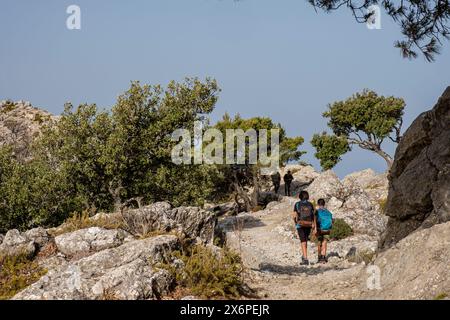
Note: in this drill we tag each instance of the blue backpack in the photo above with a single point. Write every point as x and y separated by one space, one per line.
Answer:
325 219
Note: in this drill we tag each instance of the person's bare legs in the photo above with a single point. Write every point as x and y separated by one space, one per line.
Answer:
324 247
304 247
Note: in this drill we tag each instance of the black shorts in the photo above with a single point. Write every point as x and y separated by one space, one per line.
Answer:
303 234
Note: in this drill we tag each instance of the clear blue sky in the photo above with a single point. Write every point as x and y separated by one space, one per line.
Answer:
271 58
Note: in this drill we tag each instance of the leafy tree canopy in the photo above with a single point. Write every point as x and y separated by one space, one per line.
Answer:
365 119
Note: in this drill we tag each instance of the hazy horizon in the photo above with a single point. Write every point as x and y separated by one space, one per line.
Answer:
284 61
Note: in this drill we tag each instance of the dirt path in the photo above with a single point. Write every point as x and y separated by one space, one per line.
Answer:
272 255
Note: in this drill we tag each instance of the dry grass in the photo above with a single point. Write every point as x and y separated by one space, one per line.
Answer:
17 273
382 203
83 220
109 295
50 249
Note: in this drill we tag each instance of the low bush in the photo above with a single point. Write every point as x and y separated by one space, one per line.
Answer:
17 273
341 230
209 274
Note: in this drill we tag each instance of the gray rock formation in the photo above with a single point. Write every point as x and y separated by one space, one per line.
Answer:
419 180
194 222
126 272
351 199
417 267
39 236
89 240
20 123
17 243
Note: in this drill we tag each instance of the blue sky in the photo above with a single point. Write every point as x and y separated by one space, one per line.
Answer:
271 58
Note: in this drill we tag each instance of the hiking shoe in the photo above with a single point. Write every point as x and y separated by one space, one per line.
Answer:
323 259
304 262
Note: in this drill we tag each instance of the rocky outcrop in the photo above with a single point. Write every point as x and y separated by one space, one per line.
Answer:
16 243
125 272
303 175
194 222
20 123
89 240
355 199
419 180
417 267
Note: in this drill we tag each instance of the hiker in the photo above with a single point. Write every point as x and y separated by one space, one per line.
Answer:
287 183
324 224
304 220
276 180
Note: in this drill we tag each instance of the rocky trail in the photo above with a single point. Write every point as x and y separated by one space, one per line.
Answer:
271 254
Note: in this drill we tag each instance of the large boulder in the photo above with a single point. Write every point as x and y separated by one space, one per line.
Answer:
89 240
16 243
28 243
327 185
375 185
125 272
417 267
39 236
194 222
419 180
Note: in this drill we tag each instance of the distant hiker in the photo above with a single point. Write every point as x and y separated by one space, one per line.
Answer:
287 183
304 220
324 220
276 180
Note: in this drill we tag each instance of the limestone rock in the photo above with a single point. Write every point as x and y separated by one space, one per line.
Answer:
417 267
326 185
39 236
89 240
192 221
15 243
419 180
124 272
20 123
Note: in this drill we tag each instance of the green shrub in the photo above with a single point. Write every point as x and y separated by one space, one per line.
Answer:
17 273
341 230
209 274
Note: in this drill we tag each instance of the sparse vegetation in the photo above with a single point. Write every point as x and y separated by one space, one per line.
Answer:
366 256
441 296
83 220
8 106
341 230
38 118
382 203
209 274
17 273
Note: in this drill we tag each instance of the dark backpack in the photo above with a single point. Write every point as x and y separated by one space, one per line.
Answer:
305 214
